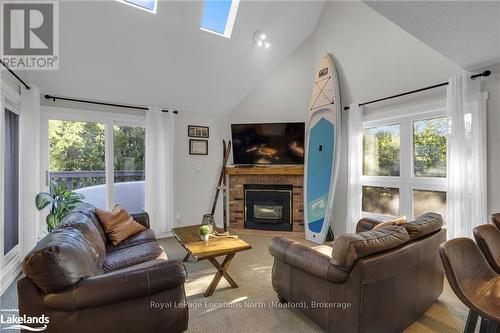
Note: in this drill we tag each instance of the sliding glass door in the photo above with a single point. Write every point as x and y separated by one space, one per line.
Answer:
129 165
77 158
101 157
11 181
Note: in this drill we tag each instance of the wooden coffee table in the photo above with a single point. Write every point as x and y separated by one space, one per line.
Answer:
210 250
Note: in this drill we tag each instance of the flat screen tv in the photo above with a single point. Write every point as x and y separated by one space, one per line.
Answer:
270 143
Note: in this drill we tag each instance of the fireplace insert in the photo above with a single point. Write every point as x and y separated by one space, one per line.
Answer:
268 207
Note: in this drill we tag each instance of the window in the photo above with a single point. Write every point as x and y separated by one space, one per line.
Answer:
97 155
219 16
381 151
429 201
404 164
129 166
11 182
381 200
429 147
147 5
77 158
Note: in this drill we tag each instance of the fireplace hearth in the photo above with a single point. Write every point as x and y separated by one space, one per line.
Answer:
268 207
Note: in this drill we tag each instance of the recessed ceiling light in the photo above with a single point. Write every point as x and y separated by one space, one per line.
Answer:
260 39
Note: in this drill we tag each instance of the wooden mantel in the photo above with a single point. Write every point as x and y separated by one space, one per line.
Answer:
266 170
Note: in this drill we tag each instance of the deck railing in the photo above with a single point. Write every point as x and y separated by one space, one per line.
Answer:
80 179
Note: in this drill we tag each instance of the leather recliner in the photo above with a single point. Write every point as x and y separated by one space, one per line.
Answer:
83 283
373 281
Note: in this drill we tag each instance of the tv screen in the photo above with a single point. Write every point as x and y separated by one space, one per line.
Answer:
271 143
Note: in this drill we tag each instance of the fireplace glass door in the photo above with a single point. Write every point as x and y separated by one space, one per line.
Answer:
268 207
265 211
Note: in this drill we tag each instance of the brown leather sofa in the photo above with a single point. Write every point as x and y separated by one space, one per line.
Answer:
85 284
373 281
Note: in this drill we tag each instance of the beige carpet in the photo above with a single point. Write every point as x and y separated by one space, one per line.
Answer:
246 309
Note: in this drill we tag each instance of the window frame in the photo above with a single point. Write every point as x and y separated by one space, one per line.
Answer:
108 119
406 182
10 262
131 4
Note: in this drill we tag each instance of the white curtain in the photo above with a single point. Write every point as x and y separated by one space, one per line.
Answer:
467 187
31 225
159 196
355 141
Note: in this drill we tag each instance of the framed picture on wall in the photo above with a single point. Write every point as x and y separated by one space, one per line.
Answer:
195 131
198 147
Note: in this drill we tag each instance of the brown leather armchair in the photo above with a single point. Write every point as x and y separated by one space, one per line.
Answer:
487 237
473 281
495 219
85 284
372 281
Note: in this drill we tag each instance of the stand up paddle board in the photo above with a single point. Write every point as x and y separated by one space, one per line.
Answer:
322 152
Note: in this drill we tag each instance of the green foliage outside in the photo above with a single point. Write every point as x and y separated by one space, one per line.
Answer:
129 145
429 147
381 157
80 146
381 151
76 146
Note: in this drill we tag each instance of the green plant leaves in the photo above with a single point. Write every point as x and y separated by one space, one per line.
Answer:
42 200
204 230
62 200
51 222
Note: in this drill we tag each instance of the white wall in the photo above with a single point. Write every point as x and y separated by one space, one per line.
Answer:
492 84
196 176
374 58
283 95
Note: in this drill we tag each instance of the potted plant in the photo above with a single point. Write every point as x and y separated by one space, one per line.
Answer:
62 202
204 232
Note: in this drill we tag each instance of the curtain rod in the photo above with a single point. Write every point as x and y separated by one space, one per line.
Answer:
14 74
103 103
485 74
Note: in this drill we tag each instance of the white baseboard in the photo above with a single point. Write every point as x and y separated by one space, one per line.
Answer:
9 275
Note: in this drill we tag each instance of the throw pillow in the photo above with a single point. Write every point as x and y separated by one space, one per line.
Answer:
399 221
118 224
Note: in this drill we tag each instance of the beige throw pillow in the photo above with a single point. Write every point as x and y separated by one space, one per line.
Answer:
118 224
399 221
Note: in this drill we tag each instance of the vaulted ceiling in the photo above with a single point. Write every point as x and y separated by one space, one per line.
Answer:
113 52
466 32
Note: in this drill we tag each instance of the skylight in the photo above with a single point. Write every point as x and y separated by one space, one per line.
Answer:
147 5
219 16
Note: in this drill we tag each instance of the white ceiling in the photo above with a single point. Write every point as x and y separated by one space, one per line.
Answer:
466 32
113 52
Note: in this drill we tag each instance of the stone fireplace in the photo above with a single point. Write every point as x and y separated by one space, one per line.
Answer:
266 198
